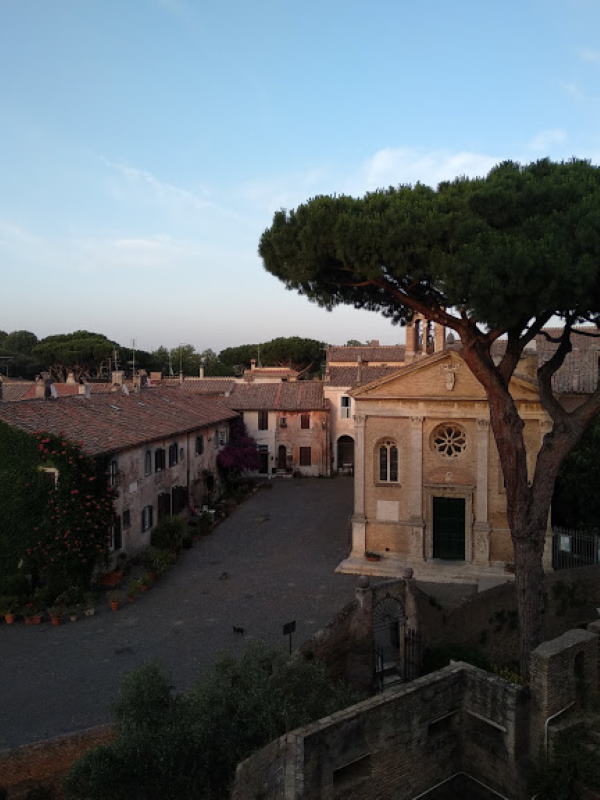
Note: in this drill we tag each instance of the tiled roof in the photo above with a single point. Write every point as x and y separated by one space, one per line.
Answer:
271 372
14 390
206 386
348 376
295 396
394 354
106 423
70 389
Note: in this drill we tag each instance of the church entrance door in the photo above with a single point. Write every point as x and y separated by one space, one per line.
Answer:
449 528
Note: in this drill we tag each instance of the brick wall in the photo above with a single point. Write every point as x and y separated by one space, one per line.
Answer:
49 761
396 744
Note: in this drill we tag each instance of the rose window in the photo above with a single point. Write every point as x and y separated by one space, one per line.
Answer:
448 440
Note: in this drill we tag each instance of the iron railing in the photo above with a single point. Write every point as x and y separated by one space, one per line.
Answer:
575 548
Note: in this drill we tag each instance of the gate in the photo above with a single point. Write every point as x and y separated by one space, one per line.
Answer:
397 647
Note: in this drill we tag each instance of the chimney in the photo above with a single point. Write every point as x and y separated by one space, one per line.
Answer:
155 377
117 376
71 378
201 371
373 343
359 370
84 389
180 376
252 363
40 386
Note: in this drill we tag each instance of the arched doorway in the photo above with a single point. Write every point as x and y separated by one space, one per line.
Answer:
345 454
281 457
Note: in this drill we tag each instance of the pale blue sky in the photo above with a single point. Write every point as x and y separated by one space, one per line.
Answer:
145 144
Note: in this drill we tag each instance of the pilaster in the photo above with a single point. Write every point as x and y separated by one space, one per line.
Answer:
481 527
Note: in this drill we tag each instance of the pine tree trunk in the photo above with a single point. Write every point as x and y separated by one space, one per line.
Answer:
529 586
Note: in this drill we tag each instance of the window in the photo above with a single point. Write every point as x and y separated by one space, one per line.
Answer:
388 462
147 517
305 420
113 473
127 518
345 407
159 459
199 445
116 538
263 420
449 440
173 452
305 460
163 505
283 422
147 462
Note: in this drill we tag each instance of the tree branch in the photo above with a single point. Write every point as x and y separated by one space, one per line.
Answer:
549 368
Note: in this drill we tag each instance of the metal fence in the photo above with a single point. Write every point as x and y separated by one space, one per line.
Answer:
575 548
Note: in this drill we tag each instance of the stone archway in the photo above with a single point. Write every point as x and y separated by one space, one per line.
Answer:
345 454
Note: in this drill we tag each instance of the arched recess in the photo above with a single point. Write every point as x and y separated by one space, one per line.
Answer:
345 454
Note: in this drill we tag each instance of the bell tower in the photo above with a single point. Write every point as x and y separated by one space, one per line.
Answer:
423 337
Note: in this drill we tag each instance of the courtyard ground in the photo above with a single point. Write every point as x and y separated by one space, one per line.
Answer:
272 561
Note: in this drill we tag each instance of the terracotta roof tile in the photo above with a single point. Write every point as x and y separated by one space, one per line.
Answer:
107 423
294 396
348 376
394 354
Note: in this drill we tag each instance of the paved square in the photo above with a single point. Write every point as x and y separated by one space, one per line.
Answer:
270 562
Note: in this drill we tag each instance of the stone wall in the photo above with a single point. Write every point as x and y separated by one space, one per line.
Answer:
47 762
396 744
488 620
563 674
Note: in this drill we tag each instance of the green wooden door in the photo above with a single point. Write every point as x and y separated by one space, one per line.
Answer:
449 528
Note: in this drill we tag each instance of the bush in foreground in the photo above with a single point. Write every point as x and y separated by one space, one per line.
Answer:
188 745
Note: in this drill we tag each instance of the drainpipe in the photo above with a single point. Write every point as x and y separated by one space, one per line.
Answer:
549 720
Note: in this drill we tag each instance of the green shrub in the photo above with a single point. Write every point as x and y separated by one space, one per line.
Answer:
177 746
168 534
437 657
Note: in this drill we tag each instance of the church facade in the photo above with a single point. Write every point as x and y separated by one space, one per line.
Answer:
429 490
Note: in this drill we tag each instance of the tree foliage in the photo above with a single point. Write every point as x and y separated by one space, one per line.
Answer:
576 502
486 257
58 530
240 453
187 745
82 352
21 342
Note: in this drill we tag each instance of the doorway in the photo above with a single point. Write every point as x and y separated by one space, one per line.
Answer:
449 528
281 457
263 459
345 454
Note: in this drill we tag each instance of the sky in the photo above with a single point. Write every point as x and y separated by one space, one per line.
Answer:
146 144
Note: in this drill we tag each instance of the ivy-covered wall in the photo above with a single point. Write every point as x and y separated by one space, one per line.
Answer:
54 532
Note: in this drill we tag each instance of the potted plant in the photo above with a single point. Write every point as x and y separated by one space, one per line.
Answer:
56 612
371 556
146 581
74 611
31 612
115 599
89 604
132 590
8 608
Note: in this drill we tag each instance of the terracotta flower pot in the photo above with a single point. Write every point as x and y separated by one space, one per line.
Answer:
55 620
9 618
114 604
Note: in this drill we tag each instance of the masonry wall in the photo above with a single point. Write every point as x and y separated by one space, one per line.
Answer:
47 762
398 744
138 489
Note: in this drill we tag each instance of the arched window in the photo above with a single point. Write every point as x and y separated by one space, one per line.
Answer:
388 462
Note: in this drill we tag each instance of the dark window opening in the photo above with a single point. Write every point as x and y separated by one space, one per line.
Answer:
350 773
127 518
305 421
263 420
305 457
159 459
173 453
199 445
147 462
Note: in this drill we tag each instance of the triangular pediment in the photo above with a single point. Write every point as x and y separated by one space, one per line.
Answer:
442 375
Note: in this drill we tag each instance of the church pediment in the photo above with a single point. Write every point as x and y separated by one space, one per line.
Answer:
440 376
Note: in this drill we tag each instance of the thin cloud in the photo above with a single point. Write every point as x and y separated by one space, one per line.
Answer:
392 166
545 140
173 199
588 54
574 91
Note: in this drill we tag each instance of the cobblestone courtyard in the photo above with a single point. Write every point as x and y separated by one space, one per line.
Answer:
270 562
